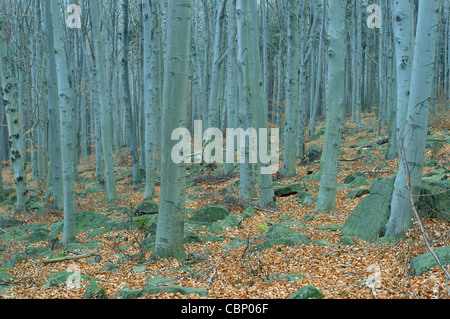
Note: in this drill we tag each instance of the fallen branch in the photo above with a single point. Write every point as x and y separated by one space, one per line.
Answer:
55 260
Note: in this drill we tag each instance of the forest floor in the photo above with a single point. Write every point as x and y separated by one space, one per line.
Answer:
362 271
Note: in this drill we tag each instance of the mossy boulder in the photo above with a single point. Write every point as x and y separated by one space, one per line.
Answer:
209 214
192 237
65 276
110 267
314 153
6 222
230 221
307 292
94 291
350 178
288 190
357 182
280 235
357 193
39 234
423 263
434 201
146 207
368 220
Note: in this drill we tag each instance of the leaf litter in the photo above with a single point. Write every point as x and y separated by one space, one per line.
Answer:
362 271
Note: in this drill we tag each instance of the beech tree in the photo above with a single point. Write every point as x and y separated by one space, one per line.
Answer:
65 96
126 99
326 199
412 140
11 110
54 142
105 110
292 89
170 230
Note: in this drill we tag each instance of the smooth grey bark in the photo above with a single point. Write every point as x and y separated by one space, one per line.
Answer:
382 69
292 90
301 128
266 195
152 89
391 85
54 142
11 110
409 176
359 65
321 12
105 110
213 105
231 85
126 100
170 229
402 19
265 53
65 96
247 179
280 65
326 198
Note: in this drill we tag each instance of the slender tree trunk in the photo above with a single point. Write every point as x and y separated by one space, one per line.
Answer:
247 181
213 105
13 123
54 142
402 13
126 100
65 96
170 230
259 110
319 74
281 54
105 110
326 198
359 63
292 95
412 148
231 86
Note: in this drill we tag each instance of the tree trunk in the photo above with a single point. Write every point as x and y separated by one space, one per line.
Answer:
231 86
65 96
402 13
126 100
170 230
13 123
105 110
54 141
292 95
259 110
247 181
412 148
213 105
326 198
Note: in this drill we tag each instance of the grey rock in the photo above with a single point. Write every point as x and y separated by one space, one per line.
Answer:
307 292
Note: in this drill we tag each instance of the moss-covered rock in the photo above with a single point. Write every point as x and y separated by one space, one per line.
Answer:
423 263
368 220
307 292
288 190
146 207
94 291
209 214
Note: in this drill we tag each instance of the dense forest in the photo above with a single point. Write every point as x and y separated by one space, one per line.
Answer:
224 149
